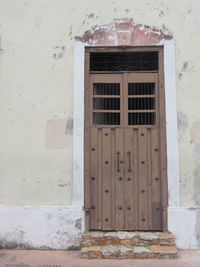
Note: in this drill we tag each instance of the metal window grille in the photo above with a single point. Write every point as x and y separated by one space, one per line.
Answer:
141 97
106 98
119 61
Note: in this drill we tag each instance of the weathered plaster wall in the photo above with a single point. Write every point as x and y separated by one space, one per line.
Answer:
36 91
36 79
40 227
37 87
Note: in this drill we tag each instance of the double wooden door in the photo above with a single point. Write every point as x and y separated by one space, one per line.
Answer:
124 155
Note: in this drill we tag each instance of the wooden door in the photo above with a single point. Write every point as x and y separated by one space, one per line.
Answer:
124 152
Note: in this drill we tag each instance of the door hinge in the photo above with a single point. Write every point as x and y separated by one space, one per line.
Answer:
87 210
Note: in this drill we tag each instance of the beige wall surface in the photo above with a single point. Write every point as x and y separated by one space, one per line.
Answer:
36 90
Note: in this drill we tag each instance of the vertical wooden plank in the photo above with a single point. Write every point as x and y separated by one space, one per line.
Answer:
113 178
94 179
142 176
149 178
129 201
99 178
106 179
156 181
163 148
86 144
119 180
86 177
136 178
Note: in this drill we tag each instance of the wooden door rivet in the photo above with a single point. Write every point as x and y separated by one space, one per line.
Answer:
107 191
129 208
93 149
93 207
120 178
142 190
143 219
120 208
156 178
142 162
156 149
106 162
129 179
106 134
106 219
142 134
93 178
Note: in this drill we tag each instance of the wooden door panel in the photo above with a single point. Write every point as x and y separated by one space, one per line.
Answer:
149 176
106 179
142 183
106 100
142 99
125 186
136 181
119 179
141 77
94 178
113 209
125 151
130 180
142 179
106 186
156 180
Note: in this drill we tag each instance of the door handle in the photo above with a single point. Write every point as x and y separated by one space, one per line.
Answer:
129 161
118 169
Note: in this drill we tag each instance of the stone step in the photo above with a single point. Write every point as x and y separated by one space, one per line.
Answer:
128 245
124 252
128 238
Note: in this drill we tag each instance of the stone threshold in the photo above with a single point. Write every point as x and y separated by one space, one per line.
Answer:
128 245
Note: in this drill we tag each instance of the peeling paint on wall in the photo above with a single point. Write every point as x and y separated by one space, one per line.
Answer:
182 123
161 14
69 126
53 227
78 223
166 31
90 16
4 244
185 66
58 52
183 70
124 32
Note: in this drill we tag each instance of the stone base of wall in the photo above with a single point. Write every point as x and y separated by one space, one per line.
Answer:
128 245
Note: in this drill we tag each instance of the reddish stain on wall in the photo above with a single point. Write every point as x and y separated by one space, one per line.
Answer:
123 33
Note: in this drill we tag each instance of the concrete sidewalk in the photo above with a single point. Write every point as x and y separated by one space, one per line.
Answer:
30 258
